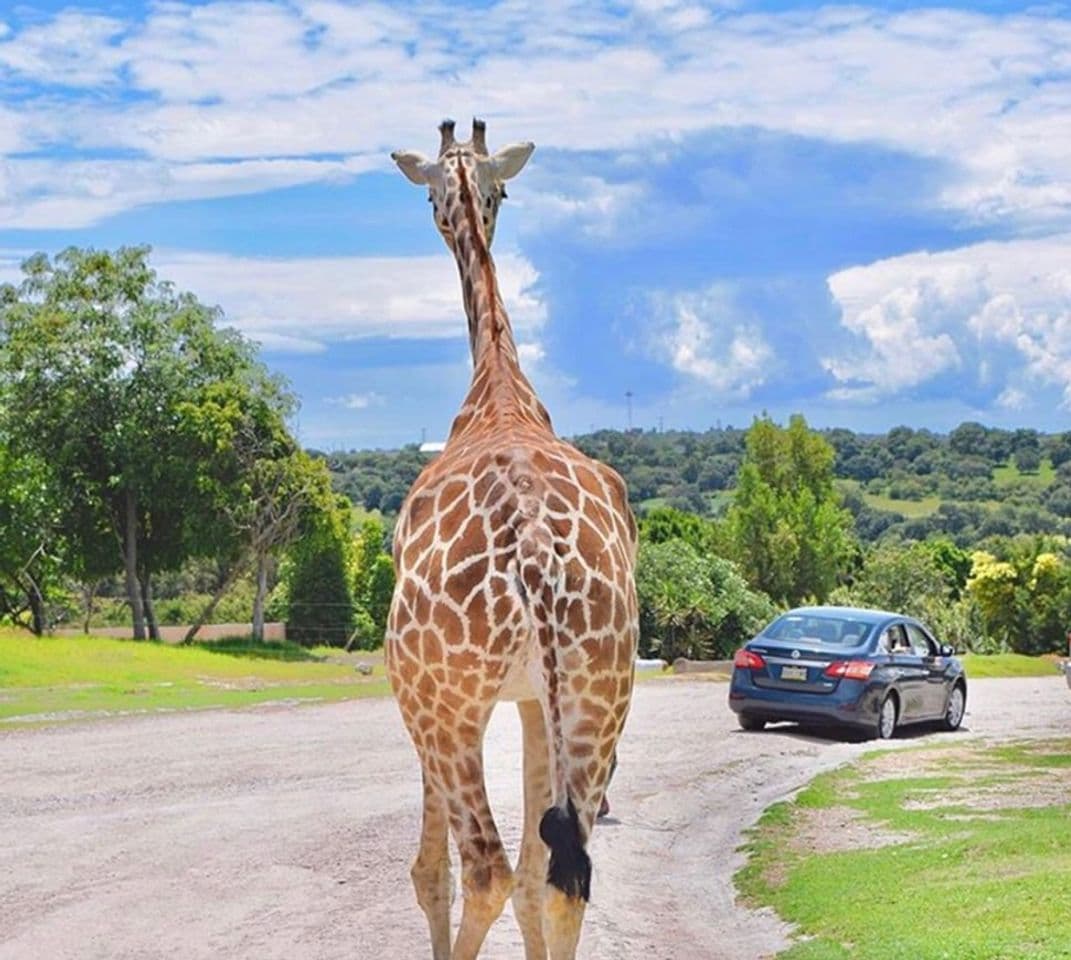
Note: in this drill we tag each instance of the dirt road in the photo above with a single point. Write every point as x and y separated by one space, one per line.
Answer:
287 832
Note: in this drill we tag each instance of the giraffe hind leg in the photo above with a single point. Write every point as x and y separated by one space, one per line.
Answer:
431 872
486 876
531 870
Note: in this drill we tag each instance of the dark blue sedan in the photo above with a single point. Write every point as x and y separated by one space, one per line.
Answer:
869 670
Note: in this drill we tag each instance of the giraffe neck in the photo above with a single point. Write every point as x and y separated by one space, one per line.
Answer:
499 390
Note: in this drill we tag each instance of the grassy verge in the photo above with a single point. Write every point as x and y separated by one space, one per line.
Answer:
980 666
956 852
64 677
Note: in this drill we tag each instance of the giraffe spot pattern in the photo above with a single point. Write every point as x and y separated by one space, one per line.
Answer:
514 556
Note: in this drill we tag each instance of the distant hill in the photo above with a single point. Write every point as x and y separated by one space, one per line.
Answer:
967 484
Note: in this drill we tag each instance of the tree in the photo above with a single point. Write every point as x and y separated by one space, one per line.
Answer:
969 439
373 583
256 481
953 563
904 579
788 530
319 588
661 524
1024 593
99 359
692 605
30 546
1028 459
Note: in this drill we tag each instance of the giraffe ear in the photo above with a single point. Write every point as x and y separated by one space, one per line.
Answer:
414 165
510 160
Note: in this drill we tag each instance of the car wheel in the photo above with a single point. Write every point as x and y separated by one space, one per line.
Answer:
749 723
957 704
886 724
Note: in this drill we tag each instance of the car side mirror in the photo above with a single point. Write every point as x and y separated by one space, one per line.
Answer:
947 650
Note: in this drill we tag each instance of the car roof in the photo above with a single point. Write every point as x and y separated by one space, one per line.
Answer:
860 614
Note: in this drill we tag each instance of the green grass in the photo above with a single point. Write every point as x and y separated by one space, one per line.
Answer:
909 508
957 880
979 666
1009 475
61 677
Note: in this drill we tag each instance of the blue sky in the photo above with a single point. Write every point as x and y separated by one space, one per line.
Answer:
861 213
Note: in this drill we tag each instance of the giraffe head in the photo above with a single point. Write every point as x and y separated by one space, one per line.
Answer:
464 172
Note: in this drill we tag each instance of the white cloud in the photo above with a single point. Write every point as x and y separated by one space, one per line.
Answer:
530 354
988 94
358 401
72 49
593 206
705 336
272 342
993 315
307 302
300 305
1013 399
38 193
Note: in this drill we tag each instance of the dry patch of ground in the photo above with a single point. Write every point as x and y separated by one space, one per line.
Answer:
840 828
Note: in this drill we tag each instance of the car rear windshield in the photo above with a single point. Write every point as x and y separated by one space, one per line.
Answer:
831 631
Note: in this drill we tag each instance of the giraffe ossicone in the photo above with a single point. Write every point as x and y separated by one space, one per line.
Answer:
515 557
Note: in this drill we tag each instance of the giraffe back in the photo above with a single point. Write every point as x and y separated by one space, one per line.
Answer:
498 540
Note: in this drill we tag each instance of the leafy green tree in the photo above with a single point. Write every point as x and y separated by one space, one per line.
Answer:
904 579
373 583
787 528
319 586
969 439
692 605
98 357
1024 594
257 483
1058 448
1028 459
661 524
953 562
31 549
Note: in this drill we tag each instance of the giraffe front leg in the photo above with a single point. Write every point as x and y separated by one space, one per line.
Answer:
532 864
431 872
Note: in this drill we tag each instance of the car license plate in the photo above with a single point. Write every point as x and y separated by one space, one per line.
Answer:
793 673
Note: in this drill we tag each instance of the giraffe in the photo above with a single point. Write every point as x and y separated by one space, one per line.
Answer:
515 556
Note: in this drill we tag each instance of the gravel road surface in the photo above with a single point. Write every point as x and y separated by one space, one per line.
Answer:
287 831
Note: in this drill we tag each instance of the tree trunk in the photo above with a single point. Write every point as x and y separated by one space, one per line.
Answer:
225 585
37 606
260 597
150 610
130 565
89 594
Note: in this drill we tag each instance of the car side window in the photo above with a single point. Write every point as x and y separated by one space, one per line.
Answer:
921 644
894 640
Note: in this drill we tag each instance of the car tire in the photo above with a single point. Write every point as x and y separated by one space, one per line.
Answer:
888 713
752 724
957 706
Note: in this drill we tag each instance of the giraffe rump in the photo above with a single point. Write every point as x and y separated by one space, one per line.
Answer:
570 865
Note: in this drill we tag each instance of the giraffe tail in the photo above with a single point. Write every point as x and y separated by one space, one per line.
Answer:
570 865
559 828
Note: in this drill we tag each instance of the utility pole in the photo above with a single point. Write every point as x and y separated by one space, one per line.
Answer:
628 400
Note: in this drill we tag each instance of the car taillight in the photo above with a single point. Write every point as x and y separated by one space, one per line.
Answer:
849 669
747 660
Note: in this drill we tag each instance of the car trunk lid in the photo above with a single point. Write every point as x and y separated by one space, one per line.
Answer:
800 667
